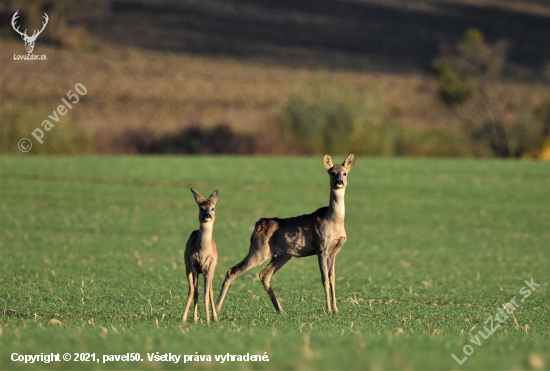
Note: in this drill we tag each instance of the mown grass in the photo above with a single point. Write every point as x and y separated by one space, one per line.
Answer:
434 247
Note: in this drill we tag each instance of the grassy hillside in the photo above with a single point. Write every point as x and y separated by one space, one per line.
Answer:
434 247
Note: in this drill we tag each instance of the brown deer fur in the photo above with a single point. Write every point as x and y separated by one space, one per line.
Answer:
320 233
201 256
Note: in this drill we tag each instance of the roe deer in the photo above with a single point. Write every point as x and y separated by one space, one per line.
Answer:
201 256
320 233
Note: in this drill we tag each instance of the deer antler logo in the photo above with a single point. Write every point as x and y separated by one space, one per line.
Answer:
29 40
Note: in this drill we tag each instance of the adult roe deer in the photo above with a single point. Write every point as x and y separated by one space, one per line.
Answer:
201 256
320 233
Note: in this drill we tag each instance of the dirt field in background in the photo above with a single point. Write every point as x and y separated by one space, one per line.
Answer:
400 36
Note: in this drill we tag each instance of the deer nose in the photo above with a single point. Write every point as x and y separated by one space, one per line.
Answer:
339 182
207 216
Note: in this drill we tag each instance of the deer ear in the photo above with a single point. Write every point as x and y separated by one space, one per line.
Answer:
349 161
214 197
327 161
198 198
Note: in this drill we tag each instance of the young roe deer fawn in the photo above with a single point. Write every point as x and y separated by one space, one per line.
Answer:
201 256
320 233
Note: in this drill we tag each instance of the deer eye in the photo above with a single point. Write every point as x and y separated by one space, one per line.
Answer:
212 209
202 208
345 174
333 173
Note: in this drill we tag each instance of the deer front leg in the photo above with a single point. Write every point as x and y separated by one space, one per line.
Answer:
206 295
333 249
266 274
196 297
190 296
325 278
214 315
332 276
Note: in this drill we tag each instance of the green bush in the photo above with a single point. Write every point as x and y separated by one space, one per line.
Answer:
19 119
493 123
338 119
431 143
453 86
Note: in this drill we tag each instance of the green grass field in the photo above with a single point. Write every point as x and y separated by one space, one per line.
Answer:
434 248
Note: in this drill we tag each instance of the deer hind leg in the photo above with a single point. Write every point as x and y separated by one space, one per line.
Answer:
265 276
190 296
323 265
196 297
252 260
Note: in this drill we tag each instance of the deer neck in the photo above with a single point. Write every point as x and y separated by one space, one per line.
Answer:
205 234
336 208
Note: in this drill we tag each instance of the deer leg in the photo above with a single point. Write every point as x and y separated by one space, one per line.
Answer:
206 295
332 276
190 296
214 315
333 249
265 276
325 278
252 260
196 297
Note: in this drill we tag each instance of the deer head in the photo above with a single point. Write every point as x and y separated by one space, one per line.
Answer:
206 206
338 173
29 40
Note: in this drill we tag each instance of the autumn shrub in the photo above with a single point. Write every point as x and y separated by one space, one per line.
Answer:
19 119
493 123
324 117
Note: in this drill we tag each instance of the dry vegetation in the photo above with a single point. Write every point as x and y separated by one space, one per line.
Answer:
130 88
223 71
165 91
